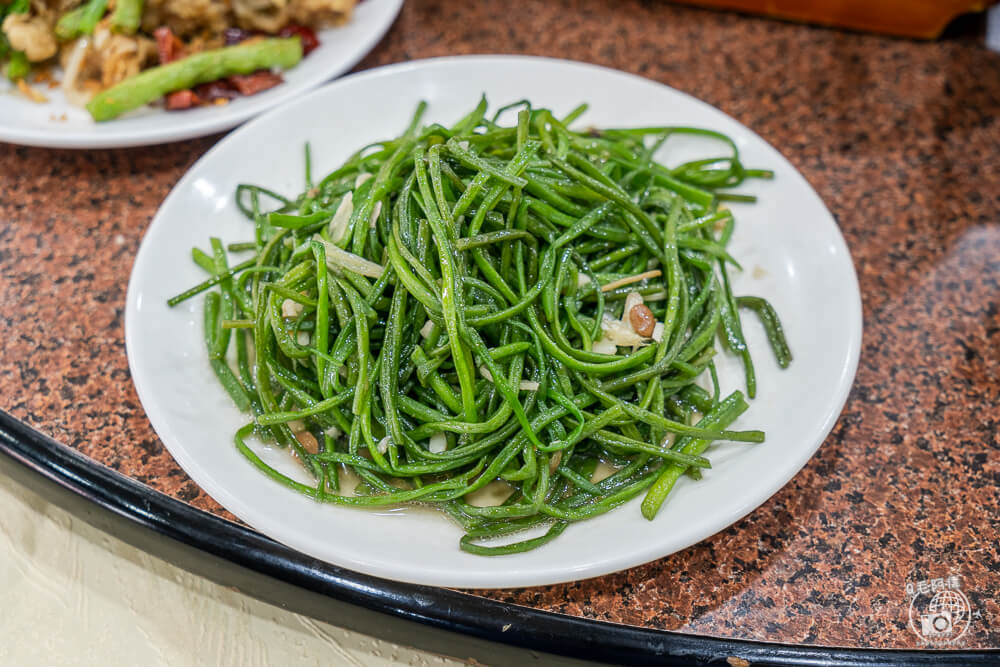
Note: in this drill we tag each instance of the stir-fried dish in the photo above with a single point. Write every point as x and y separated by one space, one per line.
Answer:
117 55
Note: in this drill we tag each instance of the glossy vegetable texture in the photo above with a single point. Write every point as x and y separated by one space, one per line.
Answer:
203 67
426 314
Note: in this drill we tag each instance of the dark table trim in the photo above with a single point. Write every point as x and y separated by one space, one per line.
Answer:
435 619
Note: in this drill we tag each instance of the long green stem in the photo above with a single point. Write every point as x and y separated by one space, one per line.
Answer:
471 326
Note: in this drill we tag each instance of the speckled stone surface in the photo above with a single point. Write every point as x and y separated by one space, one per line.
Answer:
902 141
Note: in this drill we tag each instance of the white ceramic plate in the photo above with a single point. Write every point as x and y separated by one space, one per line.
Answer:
57 124
788 242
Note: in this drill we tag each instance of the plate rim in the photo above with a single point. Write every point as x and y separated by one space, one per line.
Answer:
426 617
77 139
820 431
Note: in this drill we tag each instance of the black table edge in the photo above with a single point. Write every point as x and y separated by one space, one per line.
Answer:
443 621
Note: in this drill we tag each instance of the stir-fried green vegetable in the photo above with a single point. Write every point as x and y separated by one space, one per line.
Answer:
461 305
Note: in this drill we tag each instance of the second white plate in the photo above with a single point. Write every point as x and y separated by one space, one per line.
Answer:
789 243
58 124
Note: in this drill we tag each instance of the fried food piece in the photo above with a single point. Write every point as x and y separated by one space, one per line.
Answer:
31 34
186 18
265 15
320 13
121 56
272 15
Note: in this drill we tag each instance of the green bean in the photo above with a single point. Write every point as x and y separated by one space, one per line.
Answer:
18 66
470 357
156 82
80 21
126 17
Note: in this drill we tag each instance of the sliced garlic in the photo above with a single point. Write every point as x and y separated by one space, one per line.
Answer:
604 346
291 309
341 218
660 295
525 385
338 258
619 333
438 443
376 210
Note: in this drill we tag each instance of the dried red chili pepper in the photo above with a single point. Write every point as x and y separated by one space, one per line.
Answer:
168 46
181 99
251 84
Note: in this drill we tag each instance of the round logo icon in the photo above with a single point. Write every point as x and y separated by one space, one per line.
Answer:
940 617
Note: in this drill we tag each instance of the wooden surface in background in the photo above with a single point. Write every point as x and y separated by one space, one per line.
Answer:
909 18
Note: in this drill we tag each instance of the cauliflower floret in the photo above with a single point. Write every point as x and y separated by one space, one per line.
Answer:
31 34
